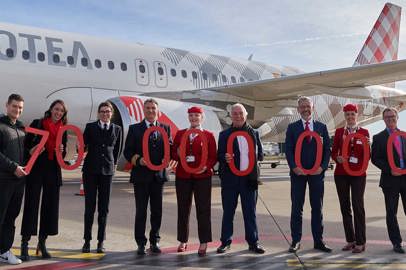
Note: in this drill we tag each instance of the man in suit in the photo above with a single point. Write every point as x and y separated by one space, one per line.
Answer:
299 180
392 183
102 142
148 184
233 185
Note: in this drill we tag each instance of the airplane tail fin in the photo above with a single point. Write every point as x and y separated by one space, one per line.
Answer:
382 43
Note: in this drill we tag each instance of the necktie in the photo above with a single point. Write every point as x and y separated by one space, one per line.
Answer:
153 135
105 127
307 128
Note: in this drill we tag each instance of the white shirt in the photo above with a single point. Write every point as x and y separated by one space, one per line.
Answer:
244 157
149 123
310 124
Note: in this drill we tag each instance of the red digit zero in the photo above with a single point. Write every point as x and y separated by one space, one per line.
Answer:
389 149
80 148
182 149
40 145
251 153
145 148
365 160
298 151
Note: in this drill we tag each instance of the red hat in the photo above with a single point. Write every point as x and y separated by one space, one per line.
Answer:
195 109
350 108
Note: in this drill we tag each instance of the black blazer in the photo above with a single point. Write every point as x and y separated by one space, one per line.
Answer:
102 148
133 145
380 159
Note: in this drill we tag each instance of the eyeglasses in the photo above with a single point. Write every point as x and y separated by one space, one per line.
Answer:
390 117
104 111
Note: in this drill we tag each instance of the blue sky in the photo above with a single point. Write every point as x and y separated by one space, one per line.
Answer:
311 35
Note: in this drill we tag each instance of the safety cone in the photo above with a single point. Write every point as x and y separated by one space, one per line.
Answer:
81 190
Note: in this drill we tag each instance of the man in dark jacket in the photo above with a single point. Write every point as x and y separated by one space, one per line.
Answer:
12 174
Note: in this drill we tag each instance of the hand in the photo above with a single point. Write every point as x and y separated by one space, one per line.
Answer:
298 171
318 171
32 150
142 162
134 159
340 159
19 172
202 170
395 173
61 148
172 165
228 157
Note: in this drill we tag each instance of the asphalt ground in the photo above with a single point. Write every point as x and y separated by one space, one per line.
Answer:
274 195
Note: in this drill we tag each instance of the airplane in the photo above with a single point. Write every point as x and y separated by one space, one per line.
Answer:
44 65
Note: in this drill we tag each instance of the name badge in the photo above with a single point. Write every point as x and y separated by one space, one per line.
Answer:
190 158
359 142
353 160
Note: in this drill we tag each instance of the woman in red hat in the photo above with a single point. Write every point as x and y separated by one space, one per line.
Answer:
194 184
347 184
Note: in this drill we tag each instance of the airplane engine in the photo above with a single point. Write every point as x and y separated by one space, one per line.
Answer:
128 110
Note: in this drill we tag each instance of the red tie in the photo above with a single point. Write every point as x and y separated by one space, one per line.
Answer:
307 128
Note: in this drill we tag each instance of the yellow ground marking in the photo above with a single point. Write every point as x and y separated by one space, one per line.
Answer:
65 254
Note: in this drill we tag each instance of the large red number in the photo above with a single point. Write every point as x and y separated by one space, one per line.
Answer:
182 150
251 153
145 148
365 161
40 145
59 157
298 151
389 149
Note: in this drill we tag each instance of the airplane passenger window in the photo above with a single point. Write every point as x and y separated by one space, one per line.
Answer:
173 72
10 53
70 60
242 79
233 79
123 66
184 74
214 77
110 64
141 68
84 62
97 63
194 74
204 76
224 78
55 58
41 56
26 55
160 71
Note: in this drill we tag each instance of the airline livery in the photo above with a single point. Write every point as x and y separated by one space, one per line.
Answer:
44 65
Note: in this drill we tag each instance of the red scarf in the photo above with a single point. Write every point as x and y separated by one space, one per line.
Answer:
52 128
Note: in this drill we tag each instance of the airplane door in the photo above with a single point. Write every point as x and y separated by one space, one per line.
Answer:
99 96
161 79
141 72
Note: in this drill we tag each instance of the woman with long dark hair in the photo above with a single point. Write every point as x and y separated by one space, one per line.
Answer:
46 175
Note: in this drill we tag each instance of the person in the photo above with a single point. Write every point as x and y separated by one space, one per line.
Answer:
148 184
351 186
393 184
46 175
102 142
299 180
194 184
233 186
12 174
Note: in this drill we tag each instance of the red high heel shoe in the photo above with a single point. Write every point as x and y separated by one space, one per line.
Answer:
202 250
182 247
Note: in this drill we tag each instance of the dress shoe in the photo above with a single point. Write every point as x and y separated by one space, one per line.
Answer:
223 248
256 248
154 248
141 250
348 246
182 247
86 247
358 249
100 247
202 250
295 246
42 248
322 247
398 249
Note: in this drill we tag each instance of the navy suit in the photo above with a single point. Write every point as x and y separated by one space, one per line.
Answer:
298 182
233 186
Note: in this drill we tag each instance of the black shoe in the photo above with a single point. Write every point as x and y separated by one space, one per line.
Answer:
24 251
86 247
42 248
223 248
154 248
256 248
323 247
100 248
295 246
141 250
398 249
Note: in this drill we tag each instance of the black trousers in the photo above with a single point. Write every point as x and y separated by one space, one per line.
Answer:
144 192
11 196
391 204
45 180
96 186
350 189
201 190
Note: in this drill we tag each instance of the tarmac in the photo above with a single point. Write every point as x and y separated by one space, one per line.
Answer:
273 217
